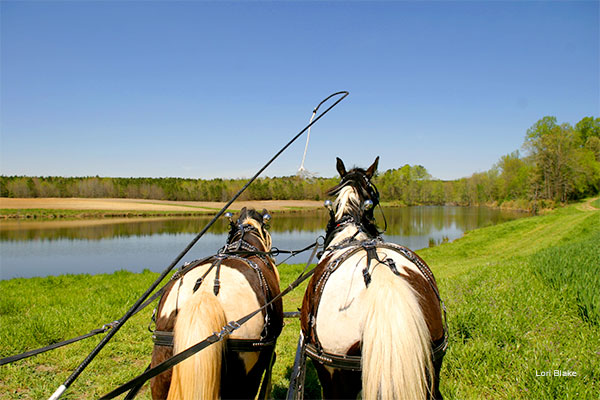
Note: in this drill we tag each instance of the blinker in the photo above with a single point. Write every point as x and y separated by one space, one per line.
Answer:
328 204
266 218
228 215
367 205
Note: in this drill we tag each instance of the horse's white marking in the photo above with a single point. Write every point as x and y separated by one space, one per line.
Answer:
347 198
342 300
385 317
347 232
236 296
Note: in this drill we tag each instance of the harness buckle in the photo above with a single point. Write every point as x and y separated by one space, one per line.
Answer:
110 325
227 329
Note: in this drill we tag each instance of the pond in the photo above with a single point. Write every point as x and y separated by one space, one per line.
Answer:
30 249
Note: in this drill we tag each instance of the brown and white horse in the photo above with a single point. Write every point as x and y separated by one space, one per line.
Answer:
201 299
371 316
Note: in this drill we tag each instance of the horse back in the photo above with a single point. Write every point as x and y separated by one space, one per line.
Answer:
333 296
242 290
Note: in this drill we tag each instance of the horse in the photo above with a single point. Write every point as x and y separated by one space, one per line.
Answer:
371 316
201 298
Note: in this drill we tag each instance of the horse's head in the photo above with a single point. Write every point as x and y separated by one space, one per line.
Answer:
356 198
251 227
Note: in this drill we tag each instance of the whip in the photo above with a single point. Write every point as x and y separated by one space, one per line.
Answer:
61 389
303 172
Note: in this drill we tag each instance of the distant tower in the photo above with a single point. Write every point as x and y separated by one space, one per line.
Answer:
303 172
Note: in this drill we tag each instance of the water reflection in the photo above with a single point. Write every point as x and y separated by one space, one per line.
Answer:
56 247
101 229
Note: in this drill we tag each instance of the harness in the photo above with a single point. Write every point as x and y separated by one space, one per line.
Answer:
313 347
229 252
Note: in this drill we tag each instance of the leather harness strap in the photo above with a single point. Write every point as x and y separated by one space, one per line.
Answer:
353 363
165 338
341 361
313 347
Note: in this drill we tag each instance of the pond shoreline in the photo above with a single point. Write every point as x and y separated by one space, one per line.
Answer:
36 247
83 208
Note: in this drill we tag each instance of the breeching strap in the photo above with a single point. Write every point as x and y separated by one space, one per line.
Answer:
61 389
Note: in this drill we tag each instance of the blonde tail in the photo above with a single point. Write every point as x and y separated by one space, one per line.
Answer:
396 345
198 377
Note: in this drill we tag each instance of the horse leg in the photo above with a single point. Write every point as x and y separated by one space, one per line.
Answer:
437 366
236 383
338 383
160 384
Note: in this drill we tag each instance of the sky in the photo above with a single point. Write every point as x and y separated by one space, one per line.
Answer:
202 89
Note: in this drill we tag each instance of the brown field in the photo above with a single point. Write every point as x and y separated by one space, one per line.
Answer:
149 205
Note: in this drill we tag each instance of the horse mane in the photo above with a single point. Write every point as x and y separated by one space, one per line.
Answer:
347 202
249 216
355 187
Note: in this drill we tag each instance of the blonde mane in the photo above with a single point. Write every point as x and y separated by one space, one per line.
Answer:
346 201
264 236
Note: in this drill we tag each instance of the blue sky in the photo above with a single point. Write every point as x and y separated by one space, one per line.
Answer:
207 89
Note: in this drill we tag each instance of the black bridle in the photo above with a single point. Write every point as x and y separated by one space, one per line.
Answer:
362 218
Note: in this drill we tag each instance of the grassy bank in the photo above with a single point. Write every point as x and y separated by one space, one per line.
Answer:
46 214
520 298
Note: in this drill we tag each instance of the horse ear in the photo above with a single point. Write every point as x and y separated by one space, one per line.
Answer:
372 168
264 212
340 167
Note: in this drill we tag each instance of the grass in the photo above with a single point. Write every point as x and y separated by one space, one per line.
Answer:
66 214
514 293
573 270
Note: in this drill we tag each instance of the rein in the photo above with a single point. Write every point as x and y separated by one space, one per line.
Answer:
363 220
81 367
110 325
311 346
227 330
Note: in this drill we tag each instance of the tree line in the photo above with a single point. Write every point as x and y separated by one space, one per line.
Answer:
561 163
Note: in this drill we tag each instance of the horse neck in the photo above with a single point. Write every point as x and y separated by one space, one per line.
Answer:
256 241
351 230
347 205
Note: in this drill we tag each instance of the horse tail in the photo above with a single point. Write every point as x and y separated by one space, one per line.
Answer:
198 377
396 344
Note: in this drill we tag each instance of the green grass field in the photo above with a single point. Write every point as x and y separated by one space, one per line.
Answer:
522 298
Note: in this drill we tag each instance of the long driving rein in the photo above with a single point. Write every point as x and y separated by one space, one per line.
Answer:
140 301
